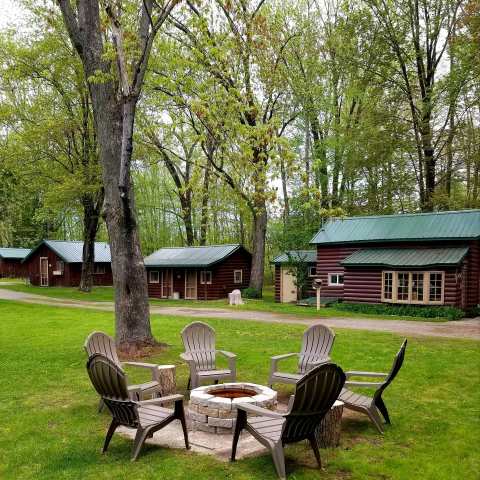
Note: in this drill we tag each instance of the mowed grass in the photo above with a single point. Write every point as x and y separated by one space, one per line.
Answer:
50 428
266 304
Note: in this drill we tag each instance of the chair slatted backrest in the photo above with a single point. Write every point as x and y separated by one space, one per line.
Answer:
315 393
397 365
199 341
316 344
110 383
99 342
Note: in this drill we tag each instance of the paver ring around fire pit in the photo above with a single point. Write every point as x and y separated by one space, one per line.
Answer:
213 408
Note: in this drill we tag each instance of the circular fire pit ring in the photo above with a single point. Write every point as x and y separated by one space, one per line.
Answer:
213 408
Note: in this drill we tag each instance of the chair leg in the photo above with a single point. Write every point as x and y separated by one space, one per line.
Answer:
189 383
180 414
239 426
375 418
140 438
279 460
111 430
380 404
316 451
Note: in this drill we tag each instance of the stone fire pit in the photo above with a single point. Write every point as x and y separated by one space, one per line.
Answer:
213 408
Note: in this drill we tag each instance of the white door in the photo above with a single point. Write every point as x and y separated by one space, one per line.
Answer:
288 291
43 271
191 284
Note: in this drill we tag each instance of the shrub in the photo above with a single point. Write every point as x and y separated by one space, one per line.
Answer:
451 313
251 293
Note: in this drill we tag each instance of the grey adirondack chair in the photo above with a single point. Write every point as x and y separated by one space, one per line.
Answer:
315 393
200 355
372 405
99 342
317 344
147 416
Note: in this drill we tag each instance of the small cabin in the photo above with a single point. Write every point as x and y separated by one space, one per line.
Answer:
286 264
415 259
198 273
57 263
11 265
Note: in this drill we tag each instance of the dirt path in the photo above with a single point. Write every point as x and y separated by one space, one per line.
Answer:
468 329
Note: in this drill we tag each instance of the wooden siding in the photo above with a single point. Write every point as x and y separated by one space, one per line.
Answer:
461 287
72 271
222 278
12 268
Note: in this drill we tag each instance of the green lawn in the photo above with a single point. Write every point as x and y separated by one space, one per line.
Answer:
266 304
50 428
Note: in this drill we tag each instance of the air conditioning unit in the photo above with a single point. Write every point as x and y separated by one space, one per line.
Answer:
57 272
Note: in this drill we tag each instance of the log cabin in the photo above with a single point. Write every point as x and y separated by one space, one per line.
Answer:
57 263
11 265
286 290
198 273
417 259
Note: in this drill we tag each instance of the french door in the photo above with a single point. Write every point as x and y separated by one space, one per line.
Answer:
191 284
167 280
43 271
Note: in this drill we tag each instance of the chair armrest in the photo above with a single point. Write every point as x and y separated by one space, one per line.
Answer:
264 412
151 366
311 365
363 384
186 356
356 373
275 359
168 398
226 354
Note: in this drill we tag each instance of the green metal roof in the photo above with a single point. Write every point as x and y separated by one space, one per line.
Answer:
405 257
72 251
190 256
459 225
307 256
14 253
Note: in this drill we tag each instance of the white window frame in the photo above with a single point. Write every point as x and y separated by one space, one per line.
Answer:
310 268
97 265
150 277
426 287
203 277
337 274
235 280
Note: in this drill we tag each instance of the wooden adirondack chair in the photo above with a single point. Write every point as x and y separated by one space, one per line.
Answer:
317 344
146 416
200 354
315 393
99 342
372 405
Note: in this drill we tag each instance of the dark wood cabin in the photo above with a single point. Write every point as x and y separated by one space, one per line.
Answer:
11 265
198 273
419 259
286 290
56 263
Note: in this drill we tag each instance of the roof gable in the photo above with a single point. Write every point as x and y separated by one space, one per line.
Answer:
458 225
190 256
72 251
14 253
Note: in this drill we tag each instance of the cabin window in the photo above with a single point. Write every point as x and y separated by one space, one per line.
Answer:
205 277
335 279
60 267
154 276
237 276
413 287
99 269
312 271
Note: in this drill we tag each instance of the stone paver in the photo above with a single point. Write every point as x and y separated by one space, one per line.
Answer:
467 329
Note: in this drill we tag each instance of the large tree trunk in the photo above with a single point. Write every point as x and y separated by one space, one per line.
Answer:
428 162
204 211
91 217
258 240
320 162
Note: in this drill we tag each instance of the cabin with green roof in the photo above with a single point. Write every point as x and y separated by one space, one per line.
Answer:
11 265
420 259
198 273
